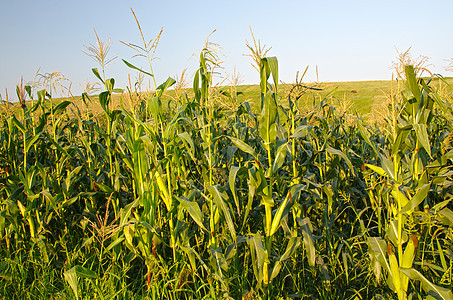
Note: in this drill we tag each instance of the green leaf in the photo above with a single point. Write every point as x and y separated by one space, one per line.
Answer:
377 247
193 209
441 255
138 69
364 135
18 124
416 199
41 96
96 73
400 138
31 141
188 143
69 180
2 222
243 146
273 68
413 87
104 100
40 241
392 233
114 243
448 215
155 107
388 167
71 277
399 196
267 118
264 76
377 169
276 220
422 136
292 246
232 182
109 84
436 97
218 199
127 211
427 285
302 131
61 106
307 232
279 158
342 155
74 274
83 272
259 255
168 83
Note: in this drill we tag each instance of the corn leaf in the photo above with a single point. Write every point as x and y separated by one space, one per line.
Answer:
273 69
307 232
342 155
302 131
292 246
194 211
377 169
422 136
73 274
188 143
279 158
259 255
61 106
219 200
117 241
31 141
388 167
232 183
168 83
267 118
416 199
377 247
401 138
427 285
18 124
279 215
96 73
243 146
364 135
448 215
138 69
413 87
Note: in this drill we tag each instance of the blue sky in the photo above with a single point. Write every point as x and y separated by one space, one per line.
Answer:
347 40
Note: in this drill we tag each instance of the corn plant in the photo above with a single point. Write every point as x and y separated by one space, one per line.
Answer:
408 181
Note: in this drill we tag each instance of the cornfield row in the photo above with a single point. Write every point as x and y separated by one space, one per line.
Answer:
193 199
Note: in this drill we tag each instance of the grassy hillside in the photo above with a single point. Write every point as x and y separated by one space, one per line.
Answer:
364 97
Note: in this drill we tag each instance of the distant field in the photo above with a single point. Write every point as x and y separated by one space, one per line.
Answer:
363 97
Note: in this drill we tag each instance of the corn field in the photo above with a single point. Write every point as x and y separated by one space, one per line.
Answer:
204 197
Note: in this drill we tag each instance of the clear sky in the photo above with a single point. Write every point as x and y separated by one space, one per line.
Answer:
347 40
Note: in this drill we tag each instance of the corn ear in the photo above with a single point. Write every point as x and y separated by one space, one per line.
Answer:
266 271
129 234
31 224
21 208
394 269
163 191
409 252
408 258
